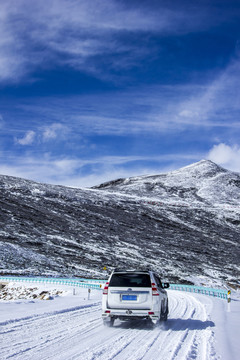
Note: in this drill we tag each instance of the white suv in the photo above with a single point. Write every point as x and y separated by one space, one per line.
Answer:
134 294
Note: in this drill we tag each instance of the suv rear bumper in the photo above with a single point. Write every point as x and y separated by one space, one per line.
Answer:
130 314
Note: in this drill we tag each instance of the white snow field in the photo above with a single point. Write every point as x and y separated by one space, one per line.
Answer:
70 327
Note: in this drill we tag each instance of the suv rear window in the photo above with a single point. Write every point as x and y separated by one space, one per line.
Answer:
130 280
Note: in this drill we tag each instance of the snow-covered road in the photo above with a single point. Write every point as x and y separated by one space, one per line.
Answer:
70 327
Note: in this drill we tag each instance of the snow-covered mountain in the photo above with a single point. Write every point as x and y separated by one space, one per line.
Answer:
184 224
200 183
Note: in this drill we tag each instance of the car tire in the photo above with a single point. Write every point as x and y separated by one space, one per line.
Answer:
164 314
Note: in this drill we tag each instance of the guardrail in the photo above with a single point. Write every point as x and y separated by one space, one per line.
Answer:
84 283
223 294
98 284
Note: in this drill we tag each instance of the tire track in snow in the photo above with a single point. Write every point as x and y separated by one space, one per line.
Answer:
194 330
78 334
180 334
47 314
47 329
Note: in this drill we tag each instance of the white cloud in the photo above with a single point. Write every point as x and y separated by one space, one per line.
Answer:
156 109
54 131
70 172
70 32
169 108
228 156
188 113
1 121
216 103
28 139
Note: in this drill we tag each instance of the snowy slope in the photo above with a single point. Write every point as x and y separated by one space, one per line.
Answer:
203 183
70 327
183 224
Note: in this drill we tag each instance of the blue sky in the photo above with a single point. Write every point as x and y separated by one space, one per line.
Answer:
95 90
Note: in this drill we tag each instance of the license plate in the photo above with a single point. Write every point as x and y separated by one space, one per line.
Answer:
129 297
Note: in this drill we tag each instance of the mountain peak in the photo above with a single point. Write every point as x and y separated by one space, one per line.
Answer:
203 168
202 182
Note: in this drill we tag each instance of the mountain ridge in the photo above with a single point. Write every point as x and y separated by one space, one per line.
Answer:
184 226
208 164
195 177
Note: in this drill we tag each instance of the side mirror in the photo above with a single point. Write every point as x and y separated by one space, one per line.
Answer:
166 285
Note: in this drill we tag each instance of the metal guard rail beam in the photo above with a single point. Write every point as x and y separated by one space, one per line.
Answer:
98 284
84 283
223 294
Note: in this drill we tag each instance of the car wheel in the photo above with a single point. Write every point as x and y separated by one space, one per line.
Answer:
164 314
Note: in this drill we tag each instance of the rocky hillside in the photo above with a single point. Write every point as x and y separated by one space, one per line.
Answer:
184 224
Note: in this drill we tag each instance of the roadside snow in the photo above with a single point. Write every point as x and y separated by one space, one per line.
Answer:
14 291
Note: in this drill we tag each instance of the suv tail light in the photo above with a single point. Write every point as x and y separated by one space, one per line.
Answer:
154 290
105 290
